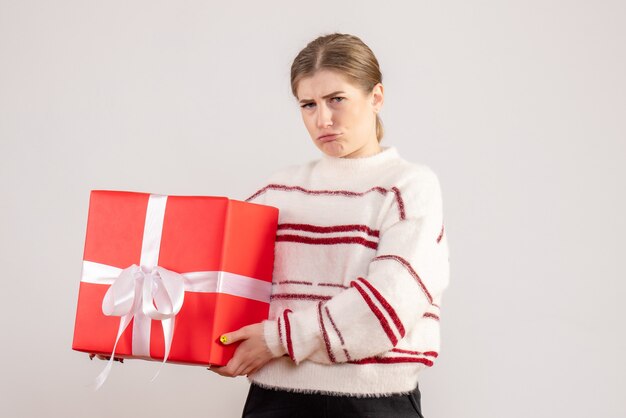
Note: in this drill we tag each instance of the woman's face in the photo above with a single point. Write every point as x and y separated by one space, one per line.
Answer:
330 104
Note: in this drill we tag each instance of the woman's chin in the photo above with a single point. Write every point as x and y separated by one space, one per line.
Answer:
332 148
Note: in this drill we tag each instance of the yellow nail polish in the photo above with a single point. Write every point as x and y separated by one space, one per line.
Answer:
223 339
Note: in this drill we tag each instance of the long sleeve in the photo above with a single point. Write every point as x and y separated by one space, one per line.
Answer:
409 271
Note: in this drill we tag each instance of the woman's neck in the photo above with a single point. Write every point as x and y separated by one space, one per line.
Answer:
386 154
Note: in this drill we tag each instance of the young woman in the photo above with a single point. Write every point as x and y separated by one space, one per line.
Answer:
361 258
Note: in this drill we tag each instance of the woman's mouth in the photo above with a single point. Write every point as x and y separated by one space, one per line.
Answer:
328 138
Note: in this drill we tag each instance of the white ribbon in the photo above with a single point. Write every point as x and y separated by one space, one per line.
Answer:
155 293
195 281
148 291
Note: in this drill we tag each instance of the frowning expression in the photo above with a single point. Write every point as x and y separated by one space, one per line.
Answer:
340 117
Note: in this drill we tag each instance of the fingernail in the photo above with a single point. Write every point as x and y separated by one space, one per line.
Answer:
224 339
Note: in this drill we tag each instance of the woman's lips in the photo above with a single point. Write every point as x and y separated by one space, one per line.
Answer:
328 138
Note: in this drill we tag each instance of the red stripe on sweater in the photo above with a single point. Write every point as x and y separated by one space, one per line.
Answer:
329 284
294 282
381 318
400 202
386 305
333 285
288 333
283 187
431 315
302 296
417 353
338 333
329 229
331 356
280 332
349 193
440 234
370 360
407 265
334 326
327 241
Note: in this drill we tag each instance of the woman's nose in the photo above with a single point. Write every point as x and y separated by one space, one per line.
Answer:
324 117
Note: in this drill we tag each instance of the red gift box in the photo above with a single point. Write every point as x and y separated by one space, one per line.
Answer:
192 266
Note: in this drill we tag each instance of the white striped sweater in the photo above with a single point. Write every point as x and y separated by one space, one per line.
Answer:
361 262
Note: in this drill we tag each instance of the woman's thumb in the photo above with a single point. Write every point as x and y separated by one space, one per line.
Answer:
230 337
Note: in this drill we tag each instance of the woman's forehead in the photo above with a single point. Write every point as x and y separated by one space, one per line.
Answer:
322 83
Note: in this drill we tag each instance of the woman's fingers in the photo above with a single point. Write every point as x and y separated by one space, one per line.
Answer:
103 357
256 366
240 369
220 372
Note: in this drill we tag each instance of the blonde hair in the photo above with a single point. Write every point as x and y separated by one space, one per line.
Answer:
344 53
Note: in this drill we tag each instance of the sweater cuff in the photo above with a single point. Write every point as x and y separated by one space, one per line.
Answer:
272 338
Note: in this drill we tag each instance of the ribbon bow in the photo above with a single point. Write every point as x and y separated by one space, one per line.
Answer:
153 292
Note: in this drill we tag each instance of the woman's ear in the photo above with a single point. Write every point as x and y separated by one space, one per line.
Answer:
378 97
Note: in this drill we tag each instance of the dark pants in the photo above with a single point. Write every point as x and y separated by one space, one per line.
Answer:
271 403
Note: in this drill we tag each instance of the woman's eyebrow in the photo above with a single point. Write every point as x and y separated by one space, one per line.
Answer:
323 97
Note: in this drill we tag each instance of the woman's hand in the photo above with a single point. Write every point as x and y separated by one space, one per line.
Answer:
103 357
251 355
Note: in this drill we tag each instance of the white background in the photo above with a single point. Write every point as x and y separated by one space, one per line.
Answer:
518 106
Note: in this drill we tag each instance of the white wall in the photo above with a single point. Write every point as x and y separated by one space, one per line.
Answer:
519 106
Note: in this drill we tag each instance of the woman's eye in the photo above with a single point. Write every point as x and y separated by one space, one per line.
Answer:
306 105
